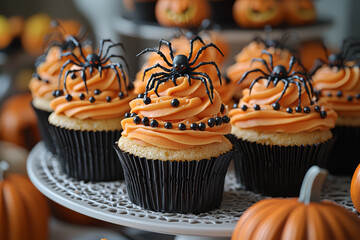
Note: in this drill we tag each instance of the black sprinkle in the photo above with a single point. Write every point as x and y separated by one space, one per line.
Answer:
54 93
222 108
127 115
218 121
145 121
140 95
225 119
91 99
97 91
137 120
349 98
131 86
182 126
307 110
339 93
329 94
194 126
147 100
73 76
357 96
244 107
317 108
68 97
211 122
276 106
175 103
82 96
235 105
323 114
154 123
58 93
121 95
289 110
46 81
133 114
108 99
298 109
256 107
168 125
202 126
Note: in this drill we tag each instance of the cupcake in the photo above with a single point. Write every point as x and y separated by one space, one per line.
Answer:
281 131
45 82
173 148
338 83
86 117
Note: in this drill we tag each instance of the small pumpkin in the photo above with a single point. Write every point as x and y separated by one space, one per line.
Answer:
300 12
305 217
24 211
181 13
5 32
355 189
258 13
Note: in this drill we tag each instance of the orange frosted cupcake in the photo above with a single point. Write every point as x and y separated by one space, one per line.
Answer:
281 130
338 83
173 148
86 117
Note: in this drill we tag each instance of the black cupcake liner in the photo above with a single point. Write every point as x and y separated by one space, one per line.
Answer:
277 171
345 155
43 125
175 186
88 155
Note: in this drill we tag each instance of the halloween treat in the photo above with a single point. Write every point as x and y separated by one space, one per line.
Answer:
355 189
173 149
282 130
338 83
305 217
87 112
24 212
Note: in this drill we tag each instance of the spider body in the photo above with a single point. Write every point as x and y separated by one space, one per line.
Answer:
179 66
279 73
92 61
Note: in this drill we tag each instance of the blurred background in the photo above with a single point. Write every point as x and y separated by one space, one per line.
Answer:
135 23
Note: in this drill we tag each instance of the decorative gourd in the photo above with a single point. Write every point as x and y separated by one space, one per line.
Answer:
181 13
355 189
258 13
305 217
24 211
300 12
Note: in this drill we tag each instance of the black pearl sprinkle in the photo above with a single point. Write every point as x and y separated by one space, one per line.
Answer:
317 108
121 95
182 126
222 108
145 121
235 105
225 119
244 107
298 109
68 97
131 86
256 107
194 126
133 114
289 110
202 126
323 114
91 99
154 123
168 125
211 122
108 99
140 95
175 103
137 120
329 94
58 93
349 98
307 110
147 100
82 96
218 121
357 96
339 93
54 93
46 81
97 91
276 106
127 115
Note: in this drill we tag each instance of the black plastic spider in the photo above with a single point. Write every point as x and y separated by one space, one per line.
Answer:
180 66
95 61
349 51
278 74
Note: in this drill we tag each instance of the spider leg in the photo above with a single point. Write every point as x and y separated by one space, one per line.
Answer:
291 63
91 70
73 39
118 56
203 80
159 81
263 62
208 79
317 66
255 81
206 63
270 58
162 41
348 45
100 69
64 66
108 50
66 74
70 54
251 71
173 79
202 49
83 76
303 81
188 79
114 68
286 85
155 66
196 38
153 78
158 52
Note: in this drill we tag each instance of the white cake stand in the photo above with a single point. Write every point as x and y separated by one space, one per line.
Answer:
108 201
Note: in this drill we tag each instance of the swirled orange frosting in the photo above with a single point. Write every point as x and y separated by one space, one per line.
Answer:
100 108
49 71
269 120
195 107
331 81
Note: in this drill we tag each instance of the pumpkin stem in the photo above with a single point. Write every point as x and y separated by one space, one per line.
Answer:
312 184
4 166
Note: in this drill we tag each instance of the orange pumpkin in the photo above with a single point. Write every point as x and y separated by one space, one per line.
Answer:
24 211
300 12
5 32
258 13
355 189
298 218
181 13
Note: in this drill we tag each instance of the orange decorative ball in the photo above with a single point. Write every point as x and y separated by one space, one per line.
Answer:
305 217
355 189
300 12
